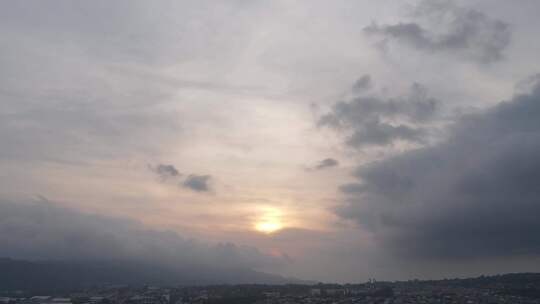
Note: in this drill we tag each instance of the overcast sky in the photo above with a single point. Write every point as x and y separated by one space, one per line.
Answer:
324 140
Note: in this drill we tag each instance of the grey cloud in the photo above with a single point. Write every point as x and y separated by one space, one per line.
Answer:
166 171
375 132
362 84
526 85
352 188
378 121
327 163
466 32
195 182
73 132
57 105
131 31
475 194
44 231
75 90
198 183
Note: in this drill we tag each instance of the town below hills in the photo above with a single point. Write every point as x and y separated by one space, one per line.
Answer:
64 282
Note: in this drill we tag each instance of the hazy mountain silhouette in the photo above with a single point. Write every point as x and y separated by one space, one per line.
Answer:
62 275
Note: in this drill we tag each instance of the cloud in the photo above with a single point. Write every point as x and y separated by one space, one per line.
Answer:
465 32
526 85
362 84
375 121
198 183
45 231
475 194
376 132
74 90
166 171
326 163
195 182
133 34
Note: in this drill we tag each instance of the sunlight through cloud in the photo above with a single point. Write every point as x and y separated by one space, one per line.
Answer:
269 221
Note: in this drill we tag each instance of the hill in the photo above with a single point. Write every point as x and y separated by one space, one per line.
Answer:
66 275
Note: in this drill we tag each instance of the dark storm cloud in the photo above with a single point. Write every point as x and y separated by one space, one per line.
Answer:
198 183
45 231
474 195
378 121
465 32
326 163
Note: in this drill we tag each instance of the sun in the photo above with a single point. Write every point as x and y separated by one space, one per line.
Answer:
269 220
268 227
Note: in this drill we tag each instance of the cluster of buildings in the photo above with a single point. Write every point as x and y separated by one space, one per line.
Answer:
370 293
109 295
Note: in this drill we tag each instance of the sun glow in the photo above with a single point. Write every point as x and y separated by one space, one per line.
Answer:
268 227
269 221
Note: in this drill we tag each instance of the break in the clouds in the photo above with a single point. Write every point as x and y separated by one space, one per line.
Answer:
473 195
446 27
378 121
198 183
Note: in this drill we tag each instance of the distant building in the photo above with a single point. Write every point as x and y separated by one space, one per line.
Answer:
40 298
315 292
335 292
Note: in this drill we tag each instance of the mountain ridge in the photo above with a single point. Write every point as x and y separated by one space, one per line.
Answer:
72 274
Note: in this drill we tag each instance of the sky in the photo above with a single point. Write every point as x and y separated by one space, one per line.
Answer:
331 141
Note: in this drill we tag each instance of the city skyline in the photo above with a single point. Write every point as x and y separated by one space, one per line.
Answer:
331 141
